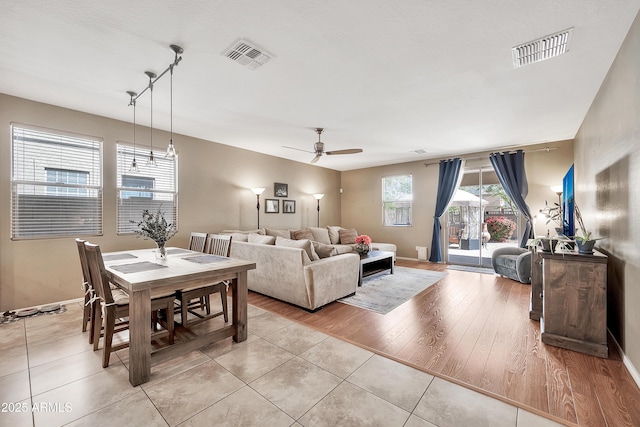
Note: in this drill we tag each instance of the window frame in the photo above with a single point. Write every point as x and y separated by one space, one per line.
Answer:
162 197
63 156
385 201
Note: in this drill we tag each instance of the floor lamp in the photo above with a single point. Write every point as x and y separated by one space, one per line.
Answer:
318 196
258 191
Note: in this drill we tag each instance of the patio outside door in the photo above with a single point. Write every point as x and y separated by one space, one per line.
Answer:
480 218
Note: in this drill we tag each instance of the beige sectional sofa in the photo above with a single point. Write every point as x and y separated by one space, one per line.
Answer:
307 272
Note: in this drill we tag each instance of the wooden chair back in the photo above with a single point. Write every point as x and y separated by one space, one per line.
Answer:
219 244
197 241
86 276
98 272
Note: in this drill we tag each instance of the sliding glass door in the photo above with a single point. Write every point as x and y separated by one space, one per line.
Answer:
480 218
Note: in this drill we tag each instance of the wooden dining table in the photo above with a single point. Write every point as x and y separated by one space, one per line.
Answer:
142 275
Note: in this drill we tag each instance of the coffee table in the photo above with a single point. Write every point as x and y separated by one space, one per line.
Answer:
374 262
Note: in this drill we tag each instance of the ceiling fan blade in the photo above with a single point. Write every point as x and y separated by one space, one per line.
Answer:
347 151
316 158
299 149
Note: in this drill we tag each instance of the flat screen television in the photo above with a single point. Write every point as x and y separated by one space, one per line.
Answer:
568 205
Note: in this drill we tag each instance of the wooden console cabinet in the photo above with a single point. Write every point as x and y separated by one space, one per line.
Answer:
535 304
574 302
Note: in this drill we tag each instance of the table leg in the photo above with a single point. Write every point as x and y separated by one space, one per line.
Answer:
239 287
139 337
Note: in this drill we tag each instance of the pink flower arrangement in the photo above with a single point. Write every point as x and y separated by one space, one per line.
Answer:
363 239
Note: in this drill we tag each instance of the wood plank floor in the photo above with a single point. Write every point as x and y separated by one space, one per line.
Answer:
475 329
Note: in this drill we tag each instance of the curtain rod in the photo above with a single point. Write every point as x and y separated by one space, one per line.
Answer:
547 149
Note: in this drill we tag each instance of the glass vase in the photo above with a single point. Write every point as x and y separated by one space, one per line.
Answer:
161 252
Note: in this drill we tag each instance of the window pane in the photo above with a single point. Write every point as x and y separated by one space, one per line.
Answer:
397 199
152 187
56 183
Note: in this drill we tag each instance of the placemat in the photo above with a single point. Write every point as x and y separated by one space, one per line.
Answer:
137 267
117 257
176 251
206 259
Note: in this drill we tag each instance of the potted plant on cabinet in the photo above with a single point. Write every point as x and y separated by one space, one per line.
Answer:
585 240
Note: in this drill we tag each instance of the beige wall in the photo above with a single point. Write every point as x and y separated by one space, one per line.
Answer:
362 190
607 172
213 195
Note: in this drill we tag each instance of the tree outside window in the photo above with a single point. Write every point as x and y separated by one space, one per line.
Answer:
397 200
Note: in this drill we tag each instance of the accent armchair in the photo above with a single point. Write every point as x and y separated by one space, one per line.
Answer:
512 262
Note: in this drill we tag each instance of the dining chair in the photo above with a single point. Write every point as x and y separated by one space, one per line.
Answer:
114 305
197 241
87 311
220 245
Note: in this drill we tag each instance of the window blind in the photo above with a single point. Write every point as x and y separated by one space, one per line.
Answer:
153 188
56 183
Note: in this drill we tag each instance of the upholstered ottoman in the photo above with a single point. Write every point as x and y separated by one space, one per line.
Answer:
512 262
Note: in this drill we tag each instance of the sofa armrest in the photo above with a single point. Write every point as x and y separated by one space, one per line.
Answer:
332 278
507 250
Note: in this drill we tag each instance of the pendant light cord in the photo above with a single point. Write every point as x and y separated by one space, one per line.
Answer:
171 152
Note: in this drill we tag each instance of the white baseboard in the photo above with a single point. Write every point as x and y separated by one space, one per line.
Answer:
627 363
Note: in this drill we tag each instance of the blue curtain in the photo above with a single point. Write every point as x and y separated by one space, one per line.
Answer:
447 182
510 170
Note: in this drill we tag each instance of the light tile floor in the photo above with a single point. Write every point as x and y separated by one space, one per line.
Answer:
285 374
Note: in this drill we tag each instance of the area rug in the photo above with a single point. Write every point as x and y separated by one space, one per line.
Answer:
483 270
384 292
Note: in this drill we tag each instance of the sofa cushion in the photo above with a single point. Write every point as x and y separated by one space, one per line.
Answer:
334 234
262 240
304 233
302 244
343 249
320 235
324 251
348 237
278 232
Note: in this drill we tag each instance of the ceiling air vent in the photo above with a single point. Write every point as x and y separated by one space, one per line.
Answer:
543 48
247 54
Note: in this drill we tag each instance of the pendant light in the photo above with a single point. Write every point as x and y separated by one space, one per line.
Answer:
152 160
134 164
153 78
177 50
171 149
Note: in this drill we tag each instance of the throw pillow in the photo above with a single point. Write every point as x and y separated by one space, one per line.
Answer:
261 240
238 237
301 244
334 234
348 237
301 234
320 235
324 251
256 231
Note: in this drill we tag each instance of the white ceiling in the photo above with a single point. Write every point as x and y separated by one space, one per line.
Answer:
390 77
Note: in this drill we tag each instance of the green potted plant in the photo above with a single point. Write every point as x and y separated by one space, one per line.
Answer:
585 240
552 214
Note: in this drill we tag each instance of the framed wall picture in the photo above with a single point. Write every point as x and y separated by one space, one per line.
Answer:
272 206
280 190
289 206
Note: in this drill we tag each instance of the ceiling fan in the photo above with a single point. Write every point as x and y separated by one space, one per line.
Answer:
318 149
